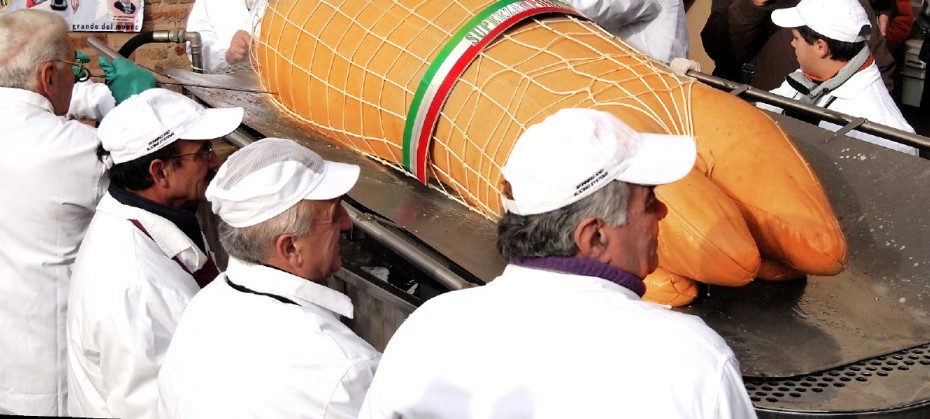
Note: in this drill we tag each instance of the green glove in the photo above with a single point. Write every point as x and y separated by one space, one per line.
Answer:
82 57
125 78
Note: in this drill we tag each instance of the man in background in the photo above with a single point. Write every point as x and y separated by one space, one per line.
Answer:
144 255
838 71
224 29
51 180
657 28
747 47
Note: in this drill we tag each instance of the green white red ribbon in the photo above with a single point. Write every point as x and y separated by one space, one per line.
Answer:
451 62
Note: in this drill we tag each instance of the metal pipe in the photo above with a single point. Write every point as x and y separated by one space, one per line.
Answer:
102 48
196 45
406 250
172 35
178 36
752 93
240 138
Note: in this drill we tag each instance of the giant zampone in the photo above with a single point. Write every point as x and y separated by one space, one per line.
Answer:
442 89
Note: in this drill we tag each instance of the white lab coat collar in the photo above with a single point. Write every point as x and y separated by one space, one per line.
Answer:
277 282
27 97
169 238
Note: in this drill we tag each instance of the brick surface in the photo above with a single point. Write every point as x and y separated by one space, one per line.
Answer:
158 15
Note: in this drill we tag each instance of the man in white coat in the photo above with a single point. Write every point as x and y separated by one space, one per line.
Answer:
51 179
224 28
265 340
144 255
657 28
562 333
838 71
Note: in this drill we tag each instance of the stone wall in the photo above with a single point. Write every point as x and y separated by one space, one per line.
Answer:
158 15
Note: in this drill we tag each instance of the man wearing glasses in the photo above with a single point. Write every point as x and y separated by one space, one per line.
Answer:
144 255
51 180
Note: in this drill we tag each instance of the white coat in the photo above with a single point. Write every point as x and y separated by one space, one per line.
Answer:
127 296
657 28
91 101
237 354
543 344
217 21
50 180
863 95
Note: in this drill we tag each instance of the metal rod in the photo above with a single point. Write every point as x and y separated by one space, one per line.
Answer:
407 250
102 48
240 138
752 93
213 86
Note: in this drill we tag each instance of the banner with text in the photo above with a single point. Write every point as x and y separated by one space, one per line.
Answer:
87 15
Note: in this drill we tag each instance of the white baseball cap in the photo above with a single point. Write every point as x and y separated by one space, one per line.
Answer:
576 152
149 121
841 20
265 178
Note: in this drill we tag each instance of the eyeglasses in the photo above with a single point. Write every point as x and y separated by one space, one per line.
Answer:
77 66
206 153
80 72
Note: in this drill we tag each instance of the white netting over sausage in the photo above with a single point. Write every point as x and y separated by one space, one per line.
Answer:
349 70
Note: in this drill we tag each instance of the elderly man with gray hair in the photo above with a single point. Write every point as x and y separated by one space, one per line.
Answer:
51 180
264 339
562 333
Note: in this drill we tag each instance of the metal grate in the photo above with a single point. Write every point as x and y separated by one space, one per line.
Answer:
768 390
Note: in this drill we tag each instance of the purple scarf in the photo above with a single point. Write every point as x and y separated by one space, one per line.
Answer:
586 267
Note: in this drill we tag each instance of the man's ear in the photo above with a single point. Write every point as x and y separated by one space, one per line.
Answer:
158 169
823 50
589 239
286 251
46 79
